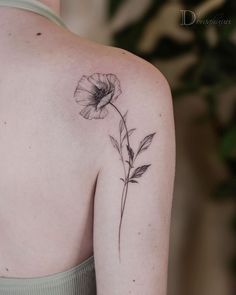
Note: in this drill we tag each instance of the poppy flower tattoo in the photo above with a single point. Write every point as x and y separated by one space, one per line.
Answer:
94 95
94 92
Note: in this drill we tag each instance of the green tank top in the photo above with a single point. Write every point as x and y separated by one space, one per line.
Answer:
79 280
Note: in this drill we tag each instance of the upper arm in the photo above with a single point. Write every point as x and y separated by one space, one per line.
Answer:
134 188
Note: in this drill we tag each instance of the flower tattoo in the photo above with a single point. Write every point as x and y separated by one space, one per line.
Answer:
94 94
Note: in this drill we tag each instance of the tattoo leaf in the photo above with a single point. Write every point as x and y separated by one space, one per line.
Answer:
133 181
145 143
129 163
115 143
122 125
138 172
131 153
128 134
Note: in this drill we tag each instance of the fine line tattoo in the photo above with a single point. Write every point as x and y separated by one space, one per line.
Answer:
94 94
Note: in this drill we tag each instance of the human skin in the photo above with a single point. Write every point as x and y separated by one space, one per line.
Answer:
60 187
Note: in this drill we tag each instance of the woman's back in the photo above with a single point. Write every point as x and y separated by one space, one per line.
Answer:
48 167
63 109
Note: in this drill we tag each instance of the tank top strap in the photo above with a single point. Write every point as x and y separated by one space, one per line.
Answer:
80 280
35 6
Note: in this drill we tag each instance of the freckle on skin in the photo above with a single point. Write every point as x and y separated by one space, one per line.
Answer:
133 280
39 34
5 122
149 224
6 269
139 233
160 115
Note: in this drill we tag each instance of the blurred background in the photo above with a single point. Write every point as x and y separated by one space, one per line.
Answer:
193 43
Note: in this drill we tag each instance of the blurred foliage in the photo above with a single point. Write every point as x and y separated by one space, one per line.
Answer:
210 76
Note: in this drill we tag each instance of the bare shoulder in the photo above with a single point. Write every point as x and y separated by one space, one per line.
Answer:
109 82
145 95
120 89
84 57
141 85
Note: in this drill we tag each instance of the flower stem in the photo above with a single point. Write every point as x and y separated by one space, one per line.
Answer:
122 118
126 183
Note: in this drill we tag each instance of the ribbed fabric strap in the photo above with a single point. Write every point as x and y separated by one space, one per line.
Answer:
35 6
79 280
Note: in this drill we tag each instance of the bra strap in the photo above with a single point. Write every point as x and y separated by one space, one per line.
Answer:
35 6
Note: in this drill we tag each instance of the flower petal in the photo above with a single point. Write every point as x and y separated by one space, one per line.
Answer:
90 112
116 83
96 80
112 78
86 85
84 97
116 94
105 100
87 112
100 114
104 81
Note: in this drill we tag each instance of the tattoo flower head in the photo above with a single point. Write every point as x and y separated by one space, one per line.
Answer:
94 92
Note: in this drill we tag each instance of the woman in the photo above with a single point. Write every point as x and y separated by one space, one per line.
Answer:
87 161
